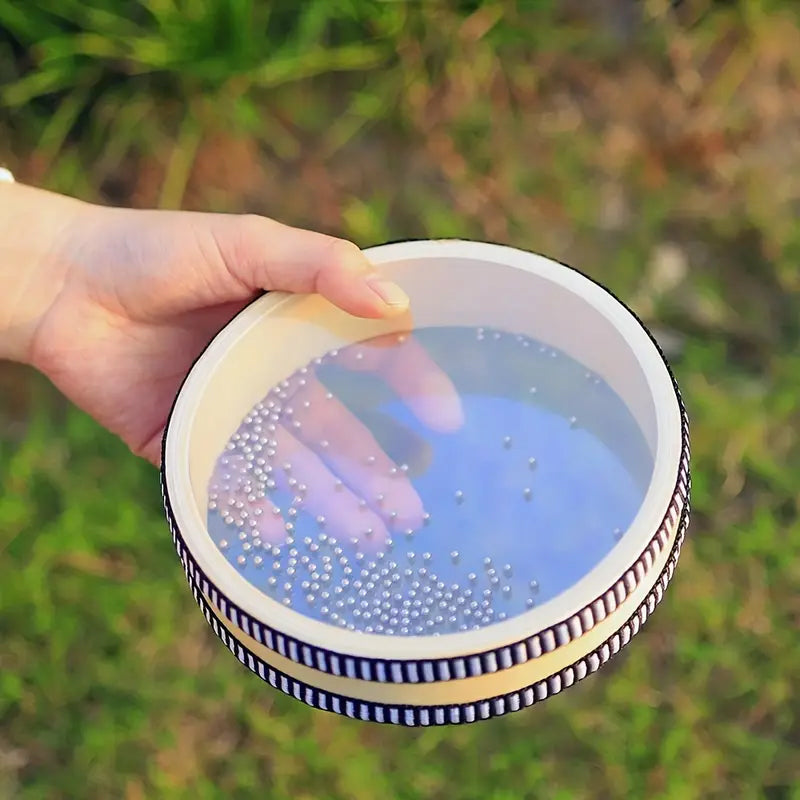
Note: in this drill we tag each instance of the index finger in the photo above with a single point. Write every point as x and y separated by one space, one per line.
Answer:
408 369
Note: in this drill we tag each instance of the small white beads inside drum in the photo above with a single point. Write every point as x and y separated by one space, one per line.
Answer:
499 529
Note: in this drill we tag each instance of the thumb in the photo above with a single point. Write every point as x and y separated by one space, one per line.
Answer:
261 253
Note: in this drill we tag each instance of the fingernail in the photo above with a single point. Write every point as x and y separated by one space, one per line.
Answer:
390 293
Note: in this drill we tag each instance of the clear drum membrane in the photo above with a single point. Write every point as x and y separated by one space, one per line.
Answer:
425 483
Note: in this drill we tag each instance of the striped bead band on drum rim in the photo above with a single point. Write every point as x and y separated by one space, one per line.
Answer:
414 716
428 671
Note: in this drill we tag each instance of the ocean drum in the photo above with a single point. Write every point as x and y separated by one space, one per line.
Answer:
436 518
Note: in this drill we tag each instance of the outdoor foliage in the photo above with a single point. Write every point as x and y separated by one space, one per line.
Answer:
656 150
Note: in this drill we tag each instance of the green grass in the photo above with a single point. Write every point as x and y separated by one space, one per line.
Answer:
515 123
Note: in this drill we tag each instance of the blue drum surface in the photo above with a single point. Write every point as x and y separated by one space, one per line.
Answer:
428 483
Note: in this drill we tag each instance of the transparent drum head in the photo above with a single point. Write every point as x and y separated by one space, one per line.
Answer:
436 518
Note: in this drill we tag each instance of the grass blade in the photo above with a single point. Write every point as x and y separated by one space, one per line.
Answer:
306 65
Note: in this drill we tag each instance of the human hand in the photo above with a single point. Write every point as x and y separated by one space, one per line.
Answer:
118 303
312 449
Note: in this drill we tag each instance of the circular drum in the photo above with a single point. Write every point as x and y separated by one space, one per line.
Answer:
435 518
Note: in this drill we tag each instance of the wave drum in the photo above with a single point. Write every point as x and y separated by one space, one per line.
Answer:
436 518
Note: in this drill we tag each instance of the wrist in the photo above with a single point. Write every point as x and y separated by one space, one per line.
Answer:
35 231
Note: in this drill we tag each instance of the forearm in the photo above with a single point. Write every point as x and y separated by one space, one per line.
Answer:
35 229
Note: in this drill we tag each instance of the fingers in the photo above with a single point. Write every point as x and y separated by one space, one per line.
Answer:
263 254
326 458
350 451
151 450
328 499
413 375
268 518
297 471
427 391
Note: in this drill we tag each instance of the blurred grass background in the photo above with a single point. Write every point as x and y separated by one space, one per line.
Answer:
655 147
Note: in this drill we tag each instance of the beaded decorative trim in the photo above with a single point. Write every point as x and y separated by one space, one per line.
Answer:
413 716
